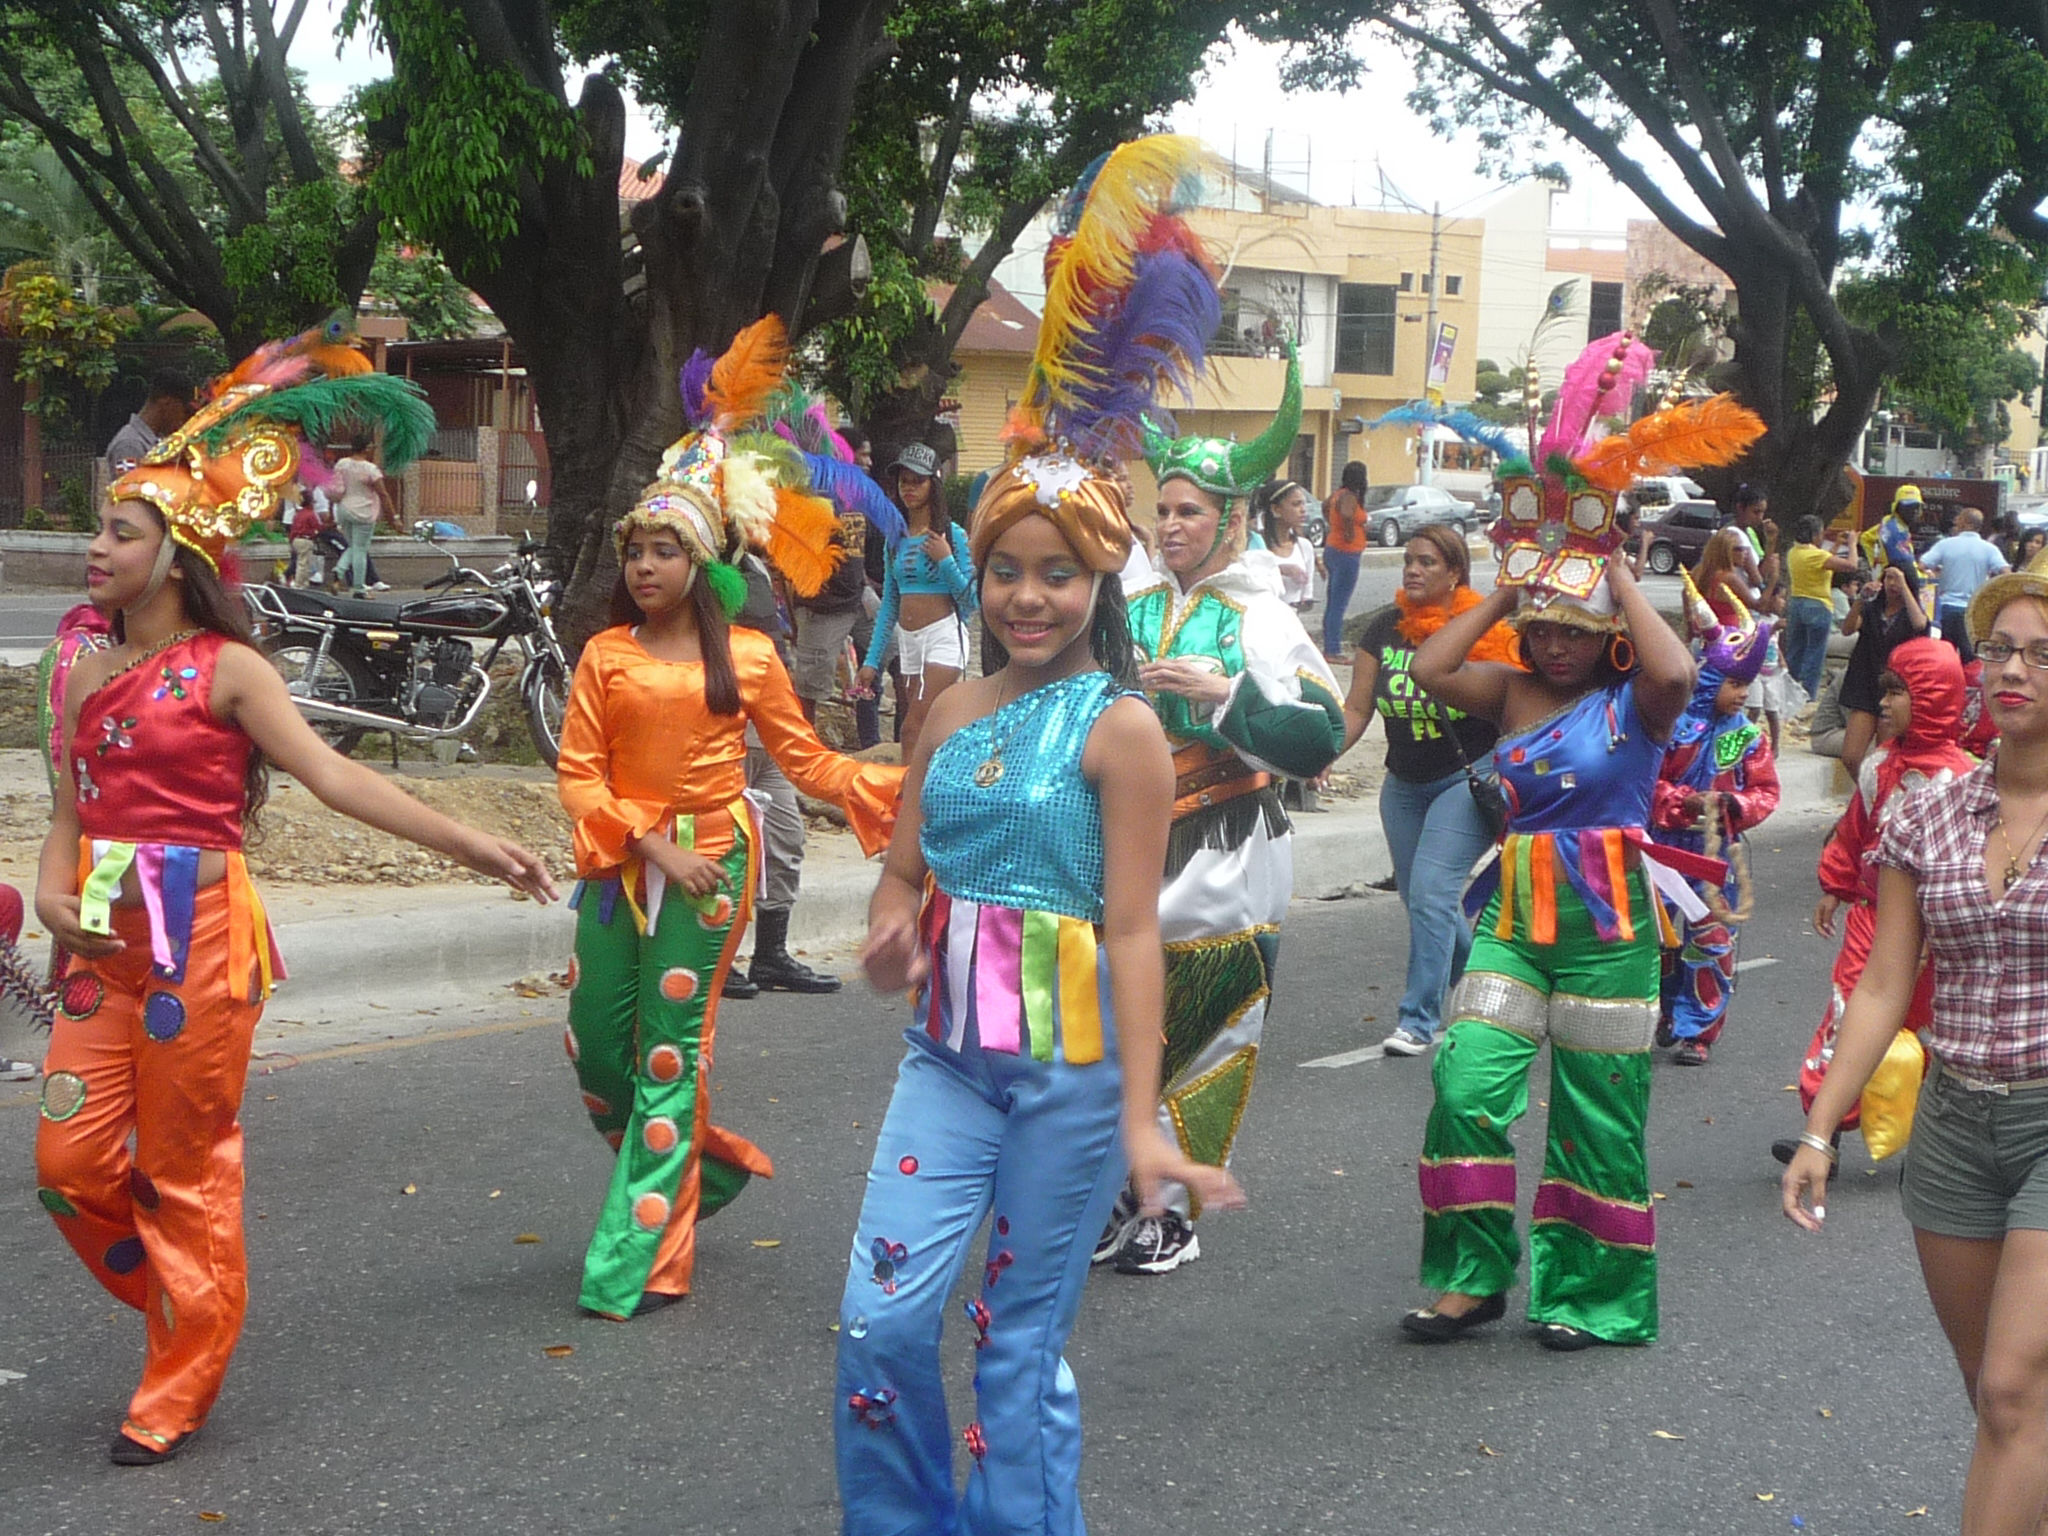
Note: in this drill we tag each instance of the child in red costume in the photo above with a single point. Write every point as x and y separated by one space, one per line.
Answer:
1922 699
143 882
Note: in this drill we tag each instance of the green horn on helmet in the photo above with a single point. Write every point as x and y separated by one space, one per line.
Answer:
1224 468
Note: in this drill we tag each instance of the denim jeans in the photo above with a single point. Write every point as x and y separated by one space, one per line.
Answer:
1435 834
1808 623
354 564
1343 568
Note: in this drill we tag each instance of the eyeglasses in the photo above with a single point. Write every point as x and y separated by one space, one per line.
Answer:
1997 652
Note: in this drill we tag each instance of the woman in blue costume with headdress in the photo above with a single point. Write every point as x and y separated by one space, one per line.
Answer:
1021 900
1567 946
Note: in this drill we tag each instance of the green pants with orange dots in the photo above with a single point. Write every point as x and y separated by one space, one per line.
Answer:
643 1014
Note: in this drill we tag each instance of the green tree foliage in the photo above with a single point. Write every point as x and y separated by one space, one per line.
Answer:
64 339
1780 122
419 286
483 145
182 126
984 112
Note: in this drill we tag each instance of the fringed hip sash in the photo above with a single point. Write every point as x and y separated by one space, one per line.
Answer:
168 874
1013 963
1594 862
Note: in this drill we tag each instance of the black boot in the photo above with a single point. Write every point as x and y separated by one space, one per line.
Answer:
775 969
739 986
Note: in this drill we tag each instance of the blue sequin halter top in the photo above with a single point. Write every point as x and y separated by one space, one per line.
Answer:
1008 819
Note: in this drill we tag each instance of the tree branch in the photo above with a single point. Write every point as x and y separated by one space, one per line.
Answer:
274 84
924 219
972 290
1545 97
1699 106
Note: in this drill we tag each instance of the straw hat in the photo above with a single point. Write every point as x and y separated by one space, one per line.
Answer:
2000 590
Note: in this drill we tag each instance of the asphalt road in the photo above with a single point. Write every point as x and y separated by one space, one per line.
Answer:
393 1374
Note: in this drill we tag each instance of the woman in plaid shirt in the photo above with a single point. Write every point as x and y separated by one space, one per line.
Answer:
1960 868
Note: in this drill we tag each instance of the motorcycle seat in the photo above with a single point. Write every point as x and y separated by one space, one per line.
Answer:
354 610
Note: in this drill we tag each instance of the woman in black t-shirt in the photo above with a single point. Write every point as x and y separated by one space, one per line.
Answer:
1887 616
1434 830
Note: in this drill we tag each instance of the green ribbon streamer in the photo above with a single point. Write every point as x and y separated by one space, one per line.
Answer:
95 902
1040 967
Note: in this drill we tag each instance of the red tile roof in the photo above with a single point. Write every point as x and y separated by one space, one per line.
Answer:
1000 324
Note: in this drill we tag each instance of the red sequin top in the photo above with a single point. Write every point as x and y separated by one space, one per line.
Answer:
150 762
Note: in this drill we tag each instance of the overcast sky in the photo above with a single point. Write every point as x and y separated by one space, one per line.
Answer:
1339 144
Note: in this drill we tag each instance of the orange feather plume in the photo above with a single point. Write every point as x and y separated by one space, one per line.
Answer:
327 350
750 371
800 540
1695 434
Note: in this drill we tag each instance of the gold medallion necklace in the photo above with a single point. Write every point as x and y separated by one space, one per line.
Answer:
991 768
2013 868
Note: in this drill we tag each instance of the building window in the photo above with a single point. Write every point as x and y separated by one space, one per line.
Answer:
1603 311
1407 282
1365 327
1453 286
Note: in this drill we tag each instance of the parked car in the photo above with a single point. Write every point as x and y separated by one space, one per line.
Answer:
1394 512
1679 532
1663 490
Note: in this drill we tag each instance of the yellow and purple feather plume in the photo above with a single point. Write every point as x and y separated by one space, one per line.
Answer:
1130 301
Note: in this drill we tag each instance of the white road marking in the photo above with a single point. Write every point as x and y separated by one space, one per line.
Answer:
1755 965
1349 1058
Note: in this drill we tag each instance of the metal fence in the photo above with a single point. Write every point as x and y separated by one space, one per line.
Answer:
66 488
523 456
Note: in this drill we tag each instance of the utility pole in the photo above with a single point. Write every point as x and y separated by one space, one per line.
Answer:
1426 458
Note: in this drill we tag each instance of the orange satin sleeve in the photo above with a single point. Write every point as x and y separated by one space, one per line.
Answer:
867 792
607 818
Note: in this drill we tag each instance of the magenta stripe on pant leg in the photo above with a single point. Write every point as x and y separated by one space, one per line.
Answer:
1611 1221
1451 1183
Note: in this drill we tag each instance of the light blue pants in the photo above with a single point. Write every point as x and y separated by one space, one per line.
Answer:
1808 623
972 1135
1435 835
354 564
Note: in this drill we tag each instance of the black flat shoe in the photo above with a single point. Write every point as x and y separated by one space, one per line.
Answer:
1565 1339
654 1301
739 987
133 1453
1435 1327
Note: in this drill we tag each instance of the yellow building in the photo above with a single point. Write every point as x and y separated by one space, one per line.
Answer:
1351 284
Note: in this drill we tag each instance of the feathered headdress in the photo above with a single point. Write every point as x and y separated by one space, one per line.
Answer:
228 467
1557 525
1130 305
730 482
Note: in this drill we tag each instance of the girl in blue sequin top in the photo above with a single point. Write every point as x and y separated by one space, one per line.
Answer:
1020 899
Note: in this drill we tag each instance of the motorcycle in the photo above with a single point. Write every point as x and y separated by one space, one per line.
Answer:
419 669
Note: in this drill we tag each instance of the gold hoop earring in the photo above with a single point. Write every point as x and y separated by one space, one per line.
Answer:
1621 653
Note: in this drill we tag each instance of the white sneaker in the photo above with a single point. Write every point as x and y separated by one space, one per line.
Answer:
380 586
12 1071
1401 1043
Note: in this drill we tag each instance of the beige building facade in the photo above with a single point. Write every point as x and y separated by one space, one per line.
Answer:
1352 284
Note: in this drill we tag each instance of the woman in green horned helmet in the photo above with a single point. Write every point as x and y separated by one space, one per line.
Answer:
1246 698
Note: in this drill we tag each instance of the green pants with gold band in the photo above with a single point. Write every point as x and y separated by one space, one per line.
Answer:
1592 1244
642 1018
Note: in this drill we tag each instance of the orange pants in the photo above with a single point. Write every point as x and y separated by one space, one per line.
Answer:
161 1228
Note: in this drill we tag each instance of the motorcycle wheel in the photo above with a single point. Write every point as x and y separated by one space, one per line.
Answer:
341 680
546 693
1315 529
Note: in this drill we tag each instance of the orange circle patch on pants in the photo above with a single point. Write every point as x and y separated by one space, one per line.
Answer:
660 1135
651 1212
678 984
664 1063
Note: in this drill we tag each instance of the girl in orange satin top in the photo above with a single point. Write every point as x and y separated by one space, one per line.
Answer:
653 772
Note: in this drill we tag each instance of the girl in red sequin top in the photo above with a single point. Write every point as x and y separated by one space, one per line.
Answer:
142 879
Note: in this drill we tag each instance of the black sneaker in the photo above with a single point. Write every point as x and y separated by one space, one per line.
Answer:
1158 1245
1122 1217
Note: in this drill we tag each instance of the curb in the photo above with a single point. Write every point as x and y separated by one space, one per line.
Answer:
467 952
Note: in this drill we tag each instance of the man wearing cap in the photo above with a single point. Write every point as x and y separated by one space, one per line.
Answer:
1890 542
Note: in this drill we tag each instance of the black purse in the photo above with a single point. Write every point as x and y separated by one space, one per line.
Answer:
1487 794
